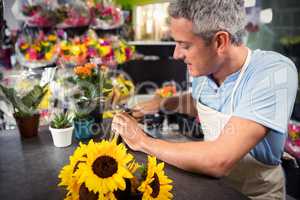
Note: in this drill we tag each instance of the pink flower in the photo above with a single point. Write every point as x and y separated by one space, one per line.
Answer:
297 142
92 52
128 53
32 54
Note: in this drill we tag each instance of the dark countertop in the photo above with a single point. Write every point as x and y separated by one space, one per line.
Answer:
29 171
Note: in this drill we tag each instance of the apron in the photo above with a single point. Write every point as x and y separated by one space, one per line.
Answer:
250 176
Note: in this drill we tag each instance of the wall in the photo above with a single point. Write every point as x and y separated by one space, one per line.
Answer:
286 22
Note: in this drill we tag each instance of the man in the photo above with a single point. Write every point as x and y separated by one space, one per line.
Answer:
243 98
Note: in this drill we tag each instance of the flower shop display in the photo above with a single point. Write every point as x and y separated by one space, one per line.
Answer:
292 144
105 15
37 50
110 50
37 13
61 128
73 14
105 170
94 87
25 108
100 14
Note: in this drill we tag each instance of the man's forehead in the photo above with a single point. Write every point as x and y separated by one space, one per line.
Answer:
181 30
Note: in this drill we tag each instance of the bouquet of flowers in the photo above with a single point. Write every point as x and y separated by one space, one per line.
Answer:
111 50
97 47
73 14
35 13
105 15
292 144
37 50
168 90
73 51
106 170
122 51
123 88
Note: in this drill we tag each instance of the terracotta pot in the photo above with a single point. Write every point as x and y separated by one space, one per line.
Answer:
28 126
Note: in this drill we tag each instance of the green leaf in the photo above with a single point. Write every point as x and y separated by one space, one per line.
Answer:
27 105
61 121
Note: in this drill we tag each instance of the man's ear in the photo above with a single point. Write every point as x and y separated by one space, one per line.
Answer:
222 40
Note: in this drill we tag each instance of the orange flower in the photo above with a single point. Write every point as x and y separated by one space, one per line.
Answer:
82 71
90 65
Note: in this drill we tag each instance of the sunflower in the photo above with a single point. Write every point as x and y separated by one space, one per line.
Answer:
67 176
131 185
106 168
156 184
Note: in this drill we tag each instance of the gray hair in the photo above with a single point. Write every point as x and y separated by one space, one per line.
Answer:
211 16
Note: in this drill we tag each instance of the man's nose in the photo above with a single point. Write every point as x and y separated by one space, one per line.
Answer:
177 54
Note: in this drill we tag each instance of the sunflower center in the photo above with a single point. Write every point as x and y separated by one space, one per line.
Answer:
155 186
105 166
85 194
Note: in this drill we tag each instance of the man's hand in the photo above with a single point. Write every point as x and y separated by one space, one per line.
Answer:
126 126
148 107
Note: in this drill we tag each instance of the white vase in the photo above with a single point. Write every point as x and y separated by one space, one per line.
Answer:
62 137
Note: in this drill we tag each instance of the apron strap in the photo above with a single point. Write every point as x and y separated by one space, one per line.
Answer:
244 67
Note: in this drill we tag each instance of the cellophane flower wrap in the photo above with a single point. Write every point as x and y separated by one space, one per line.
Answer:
73 13
110 50
106 15
37 49
39 13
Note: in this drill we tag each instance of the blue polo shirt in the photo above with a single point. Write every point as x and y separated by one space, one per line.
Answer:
266 95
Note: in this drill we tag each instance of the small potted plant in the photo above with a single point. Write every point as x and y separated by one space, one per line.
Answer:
61 128
25 109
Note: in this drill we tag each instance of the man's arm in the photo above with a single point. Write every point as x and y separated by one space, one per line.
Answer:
182 103
215 158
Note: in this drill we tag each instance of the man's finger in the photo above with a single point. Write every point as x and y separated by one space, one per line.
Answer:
117 128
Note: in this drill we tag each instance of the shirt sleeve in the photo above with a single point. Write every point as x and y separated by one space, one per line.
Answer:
268 96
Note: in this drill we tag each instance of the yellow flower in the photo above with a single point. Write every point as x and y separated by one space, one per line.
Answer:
27 56
156 186
52 38
45 43
37 48
75 50
24 46
64 45
67 174
120 56
105 169
48 55
105 50
125 87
